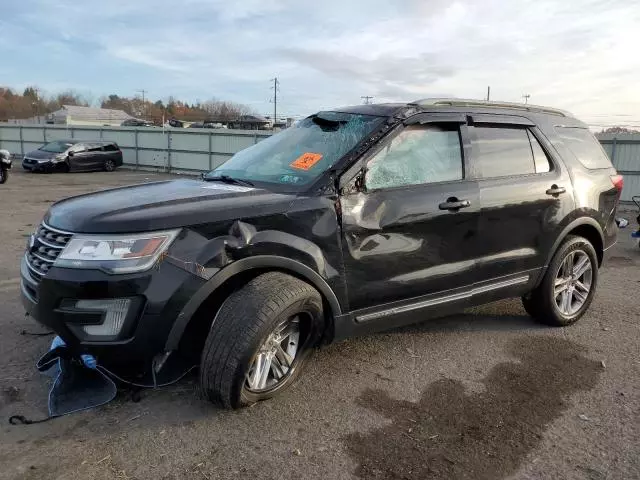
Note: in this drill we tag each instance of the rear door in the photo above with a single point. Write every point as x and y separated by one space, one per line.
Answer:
525 192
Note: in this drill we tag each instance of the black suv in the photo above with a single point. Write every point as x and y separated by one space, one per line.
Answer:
352 221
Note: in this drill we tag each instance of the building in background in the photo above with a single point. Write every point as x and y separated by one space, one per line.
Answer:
74 115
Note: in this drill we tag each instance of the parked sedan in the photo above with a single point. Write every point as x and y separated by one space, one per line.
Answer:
74 155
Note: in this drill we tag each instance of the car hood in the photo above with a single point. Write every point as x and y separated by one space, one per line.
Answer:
162 205
40 154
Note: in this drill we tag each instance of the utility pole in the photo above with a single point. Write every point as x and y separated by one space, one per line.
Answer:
35 104
526 98
367 99
488 92
275 87
144 107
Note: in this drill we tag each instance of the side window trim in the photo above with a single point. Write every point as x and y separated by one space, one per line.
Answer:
532 138
549 150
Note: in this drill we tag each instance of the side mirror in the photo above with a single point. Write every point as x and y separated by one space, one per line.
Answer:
70 154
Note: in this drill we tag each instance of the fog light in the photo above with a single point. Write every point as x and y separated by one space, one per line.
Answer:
115 312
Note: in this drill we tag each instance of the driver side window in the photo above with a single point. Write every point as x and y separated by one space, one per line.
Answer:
418 155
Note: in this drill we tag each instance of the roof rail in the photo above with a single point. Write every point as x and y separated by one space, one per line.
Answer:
463 102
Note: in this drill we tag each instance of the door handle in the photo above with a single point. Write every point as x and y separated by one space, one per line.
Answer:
555 190
454 204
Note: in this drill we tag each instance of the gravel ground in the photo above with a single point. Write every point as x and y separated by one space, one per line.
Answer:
486 393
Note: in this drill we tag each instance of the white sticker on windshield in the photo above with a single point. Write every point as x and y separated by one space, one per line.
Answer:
228 188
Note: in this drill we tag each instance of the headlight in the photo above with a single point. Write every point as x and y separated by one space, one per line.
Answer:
60 157
115 253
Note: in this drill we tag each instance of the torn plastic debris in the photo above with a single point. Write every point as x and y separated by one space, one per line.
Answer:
80 383
622 222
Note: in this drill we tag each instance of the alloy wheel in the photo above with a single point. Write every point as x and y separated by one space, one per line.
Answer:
573 282
276 357
109 166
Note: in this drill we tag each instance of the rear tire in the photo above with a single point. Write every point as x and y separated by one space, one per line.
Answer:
4 175
109 165
568 286
245 335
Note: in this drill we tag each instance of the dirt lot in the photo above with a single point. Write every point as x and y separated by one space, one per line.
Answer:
483 394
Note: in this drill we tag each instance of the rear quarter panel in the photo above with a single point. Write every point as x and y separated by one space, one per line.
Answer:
594 193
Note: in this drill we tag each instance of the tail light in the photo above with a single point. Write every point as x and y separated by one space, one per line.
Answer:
618 182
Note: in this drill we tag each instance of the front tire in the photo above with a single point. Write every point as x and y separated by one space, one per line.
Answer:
568 286
260 339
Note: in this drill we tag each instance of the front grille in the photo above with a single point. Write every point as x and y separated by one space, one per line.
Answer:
47 245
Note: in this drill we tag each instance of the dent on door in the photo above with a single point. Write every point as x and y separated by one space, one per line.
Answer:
374 216
400 244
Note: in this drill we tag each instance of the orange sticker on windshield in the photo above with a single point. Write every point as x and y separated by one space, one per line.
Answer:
306 161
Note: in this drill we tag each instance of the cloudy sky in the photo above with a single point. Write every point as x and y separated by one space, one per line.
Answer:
581 55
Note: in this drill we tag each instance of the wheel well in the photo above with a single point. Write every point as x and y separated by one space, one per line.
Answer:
591 233
196 331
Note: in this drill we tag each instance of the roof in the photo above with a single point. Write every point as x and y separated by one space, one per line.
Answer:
461 105
384 109
92 114
73 141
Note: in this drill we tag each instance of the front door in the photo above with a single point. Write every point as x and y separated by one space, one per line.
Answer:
525 192
411 230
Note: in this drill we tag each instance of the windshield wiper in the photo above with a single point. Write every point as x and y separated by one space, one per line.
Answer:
229 179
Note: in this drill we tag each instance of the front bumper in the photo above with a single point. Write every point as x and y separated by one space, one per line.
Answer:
159 296
34 165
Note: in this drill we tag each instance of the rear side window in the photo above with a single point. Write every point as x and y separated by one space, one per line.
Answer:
503 152
540 158
110 148
585 147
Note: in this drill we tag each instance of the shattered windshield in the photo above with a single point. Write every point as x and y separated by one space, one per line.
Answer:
299 154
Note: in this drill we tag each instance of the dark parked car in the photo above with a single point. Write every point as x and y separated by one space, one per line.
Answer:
74 155
136 122
351 221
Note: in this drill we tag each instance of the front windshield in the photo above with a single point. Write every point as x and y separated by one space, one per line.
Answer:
56 147
298 155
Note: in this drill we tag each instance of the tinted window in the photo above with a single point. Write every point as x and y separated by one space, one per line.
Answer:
502 152
584 146
110 148
94 147
540 158
419 154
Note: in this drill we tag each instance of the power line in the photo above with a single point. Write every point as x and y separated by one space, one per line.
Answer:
367 99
